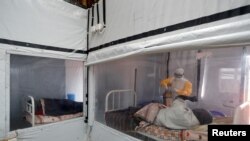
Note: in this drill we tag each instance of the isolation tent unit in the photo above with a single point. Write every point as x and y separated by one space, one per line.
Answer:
69 73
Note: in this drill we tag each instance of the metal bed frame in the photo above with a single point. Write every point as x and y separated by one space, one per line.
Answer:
30 108
118 93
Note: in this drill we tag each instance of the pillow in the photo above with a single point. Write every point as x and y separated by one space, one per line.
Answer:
149 112
141 114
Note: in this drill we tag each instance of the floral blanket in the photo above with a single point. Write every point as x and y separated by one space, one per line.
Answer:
198 133
40 119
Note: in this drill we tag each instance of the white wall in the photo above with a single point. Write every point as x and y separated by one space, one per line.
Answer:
126 18
74 78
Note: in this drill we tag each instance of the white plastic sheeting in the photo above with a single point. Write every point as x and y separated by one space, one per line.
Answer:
126 18
3 100
12 49
91 96
231 34
101 132
71 130
53 23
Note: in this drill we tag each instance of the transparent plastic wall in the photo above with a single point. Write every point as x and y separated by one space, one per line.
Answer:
142 74
223 79
42 78
247 74
219 80
219 77
188 61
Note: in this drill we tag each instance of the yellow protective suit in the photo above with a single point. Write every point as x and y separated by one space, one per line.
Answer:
181 86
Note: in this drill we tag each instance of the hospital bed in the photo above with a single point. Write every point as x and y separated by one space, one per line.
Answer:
35 118
122 119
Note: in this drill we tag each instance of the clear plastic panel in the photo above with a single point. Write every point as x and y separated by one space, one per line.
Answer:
42 78
222 80
142 74
186 60
218 76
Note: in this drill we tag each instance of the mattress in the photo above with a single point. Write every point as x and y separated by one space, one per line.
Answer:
40 119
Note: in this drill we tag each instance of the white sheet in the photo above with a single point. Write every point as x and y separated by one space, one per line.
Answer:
178 116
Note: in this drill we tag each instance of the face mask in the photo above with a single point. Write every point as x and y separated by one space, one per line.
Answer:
178 75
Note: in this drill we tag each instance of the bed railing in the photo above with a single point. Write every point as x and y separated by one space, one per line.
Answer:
118 93
30 108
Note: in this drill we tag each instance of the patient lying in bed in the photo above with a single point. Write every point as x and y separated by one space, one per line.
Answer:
54 110
58 107
159 120
178 116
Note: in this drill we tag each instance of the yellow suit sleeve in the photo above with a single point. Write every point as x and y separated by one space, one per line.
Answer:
166 82
187 90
